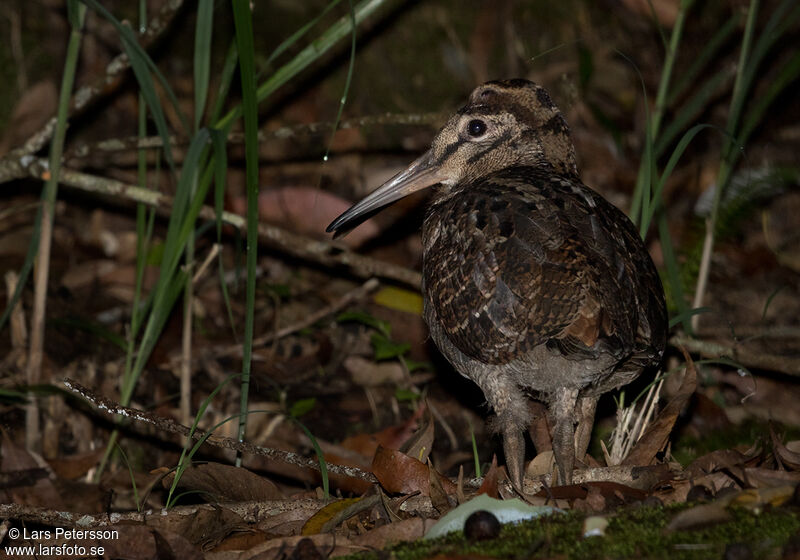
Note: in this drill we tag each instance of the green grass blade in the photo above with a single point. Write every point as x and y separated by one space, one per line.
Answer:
694 106
77 14
179 229
131 475
27 264
165 301
673 161
244 40
349 79
226 77
202 57
673 274
669 62
189 448
689 77
789 72
323 466
649 172
142 65
220 163
341 28
297 35
684 316
740 86
642 199
475 455
645 165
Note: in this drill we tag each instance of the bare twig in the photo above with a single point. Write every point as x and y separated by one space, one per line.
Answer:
748 358
168 425
12 163
325 253
186 355
702 275
212 254
36 350
251 512
745 333
113 145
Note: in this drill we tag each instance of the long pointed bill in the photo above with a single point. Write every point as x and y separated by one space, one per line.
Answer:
422 173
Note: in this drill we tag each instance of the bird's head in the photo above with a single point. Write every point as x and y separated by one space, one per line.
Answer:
504 124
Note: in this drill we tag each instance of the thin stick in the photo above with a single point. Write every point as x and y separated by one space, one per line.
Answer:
749 358
212 254
33 436
169 425
702 275
36 351
325 253
130 143
101 86
186 355
19 331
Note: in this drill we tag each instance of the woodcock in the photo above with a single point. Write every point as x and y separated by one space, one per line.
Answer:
533 284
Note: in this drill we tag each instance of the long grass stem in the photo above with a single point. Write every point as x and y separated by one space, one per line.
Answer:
77 13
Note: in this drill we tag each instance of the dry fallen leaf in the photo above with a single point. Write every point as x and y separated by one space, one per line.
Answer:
42 492
541 465
419 445
400 474
489 486
716 460
205 525
226 483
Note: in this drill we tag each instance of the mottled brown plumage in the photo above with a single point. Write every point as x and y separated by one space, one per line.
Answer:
534 285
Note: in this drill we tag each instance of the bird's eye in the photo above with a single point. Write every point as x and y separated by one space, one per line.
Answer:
476 127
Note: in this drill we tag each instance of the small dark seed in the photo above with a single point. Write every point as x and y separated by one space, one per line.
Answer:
481 525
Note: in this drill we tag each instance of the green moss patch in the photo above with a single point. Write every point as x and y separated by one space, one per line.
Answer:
632 533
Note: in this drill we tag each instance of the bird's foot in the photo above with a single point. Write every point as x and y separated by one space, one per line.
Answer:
514 449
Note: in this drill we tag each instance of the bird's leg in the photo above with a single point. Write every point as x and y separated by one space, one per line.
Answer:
562 407
510 405
583 431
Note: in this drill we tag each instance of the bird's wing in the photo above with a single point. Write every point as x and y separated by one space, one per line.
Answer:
511 264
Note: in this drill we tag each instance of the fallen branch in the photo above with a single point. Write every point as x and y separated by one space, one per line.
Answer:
13 163
169 425
326 253
738 353
130 143
251 512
